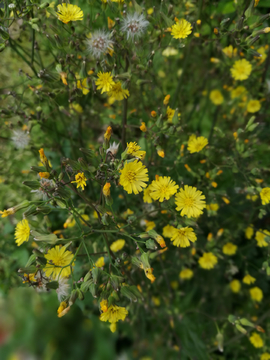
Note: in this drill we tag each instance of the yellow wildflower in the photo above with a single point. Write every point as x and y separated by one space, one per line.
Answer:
249 232
253 106
133 177
7 212
166 99
170 114
186 274
196 144
181 29
208 261
229 249
134 149
265 195
117 245
83 85
161 153
69 12
256 294
80 180
143 127
182 237
22 232
256 340
260 236
105 82
248 279
163 188
114 313
57 260
216 97
168 231
44 175
229 51
235 286
100 262
63 309
117 92
241 69
104 305
106 189
240 90
190 201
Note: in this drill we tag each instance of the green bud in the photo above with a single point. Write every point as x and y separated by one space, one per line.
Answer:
31 260
60 203
241 329
246 322
144 236
136 261
52 285
220 339
73 297
116 281
80 294
140 82
265 265
43 6
30 211
48 238
145 260
232 319
83 164
175 119
96 272
34 185
85 286
88 152
104 219
136 292
87 276
93 290
38 169
44 209
28 270
169 22
125 291
151 244
249 10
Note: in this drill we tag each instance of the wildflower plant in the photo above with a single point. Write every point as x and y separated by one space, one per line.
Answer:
134 176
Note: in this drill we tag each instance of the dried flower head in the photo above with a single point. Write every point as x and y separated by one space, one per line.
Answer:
20 139
99 44
134 25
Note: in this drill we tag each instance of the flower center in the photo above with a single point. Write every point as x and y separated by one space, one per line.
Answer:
189 202
133 26
99 43
131 176
59 261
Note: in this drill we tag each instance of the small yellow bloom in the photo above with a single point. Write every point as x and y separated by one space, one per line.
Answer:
100 262
229 249
170 114
44 175
260 236
266 355
216 97
229 51
199 22
80 180
265 195
117 92
63 309
143 127
57 260
214 60
43 158
166 99
253 106
226 200
256 340
117 245
150 225
256 294
186 274
249 232
220 232
63 76
214 184
168 231
181 29
209 236
113 314
22 232
133 177
104 305
190 201
111 23
7 212
235 286
153 114
135 150
108 133
105 82
106 189
241 69
161 153
239 91
212 207
208 261
248 279
183 236
83 85
69 12
196 144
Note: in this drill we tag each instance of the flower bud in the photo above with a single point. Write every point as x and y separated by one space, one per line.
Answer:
220 339
48 238
73 297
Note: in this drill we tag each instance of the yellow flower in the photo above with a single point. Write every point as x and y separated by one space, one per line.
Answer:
105 82
163 188
146 195
208 261
229 249
190 201
168 231
253 106
44 175
182 237
100 262
212 207
252 197
263 56
235 286
111 23
106 189
108 133
249 232
117 92
256 340
68 12
150 225
229 51
117 245
133 177
265 356
58 259
114 314
63 309
240 90
265 195
166 99
43 158
170 113
260 236
143 127
186 274
256 3
248 279
104 305
83 85
22 232
226 200
134 150
70 222
241 69
161 153
153 114
76 107
216 97
7 212
256 294
80 180
181 29
196 144
149 273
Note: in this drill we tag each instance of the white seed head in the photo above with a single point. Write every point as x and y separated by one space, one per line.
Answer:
20 139
45 185
113 148
99 44
134 25
63 289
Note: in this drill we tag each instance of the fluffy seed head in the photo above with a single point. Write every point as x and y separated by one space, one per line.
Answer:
99 44
134 25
